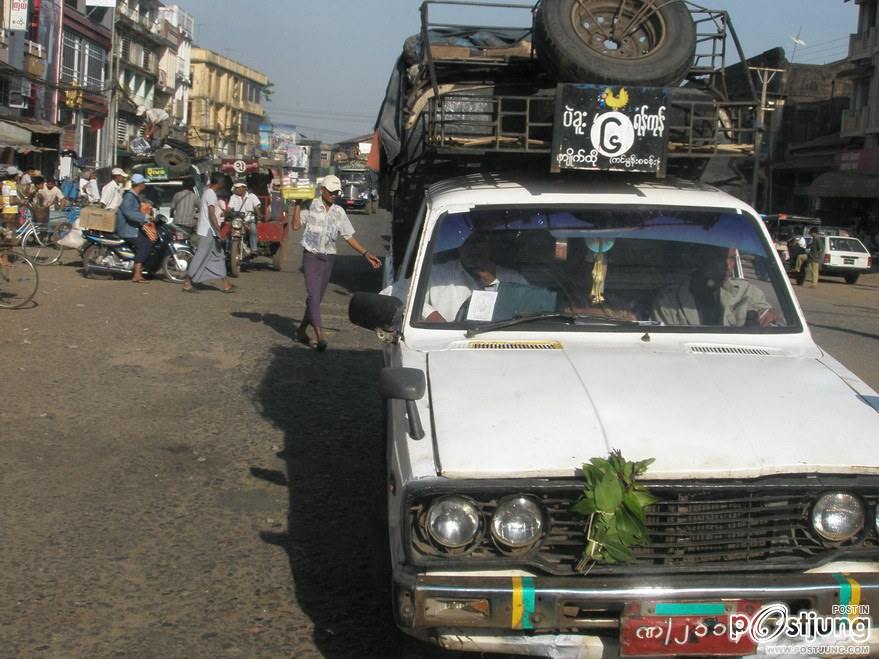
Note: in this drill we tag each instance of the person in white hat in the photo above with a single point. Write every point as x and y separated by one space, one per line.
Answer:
324 222
111 193
248 203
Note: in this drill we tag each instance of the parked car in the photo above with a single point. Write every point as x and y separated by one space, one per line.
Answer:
845 256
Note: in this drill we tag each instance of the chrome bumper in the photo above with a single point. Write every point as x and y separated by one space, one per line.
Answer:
594 604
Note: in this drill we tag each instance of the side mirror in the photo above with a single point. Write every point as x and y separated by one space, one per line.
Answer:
374 311
406 384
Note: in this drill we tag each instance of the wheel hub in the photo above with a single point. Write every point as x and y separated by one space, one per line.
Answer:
620 29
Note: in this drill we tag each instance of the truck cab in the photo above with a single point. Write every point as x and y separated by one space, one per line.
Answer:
566 296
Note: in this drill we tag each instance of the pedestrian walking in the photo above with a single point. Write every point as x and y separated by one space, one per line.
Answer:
111 193
209 262
815 255
324 222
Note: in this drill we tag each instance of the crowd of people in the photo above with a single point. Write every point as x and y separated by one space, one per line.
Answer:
322 223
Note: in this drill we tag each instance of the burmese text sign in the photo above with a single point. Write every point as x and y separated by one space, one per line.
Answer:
608 128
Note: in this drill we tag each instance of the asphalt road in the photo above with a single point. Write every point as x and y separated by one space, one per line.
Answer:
181 479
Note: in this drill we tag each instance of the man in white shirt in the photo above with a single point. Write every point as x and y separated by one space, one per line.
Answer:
88 187
111 194
209 261
244 201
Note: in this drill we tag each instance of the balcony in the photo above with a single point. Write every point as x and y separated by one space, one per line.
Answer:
34 59
863 45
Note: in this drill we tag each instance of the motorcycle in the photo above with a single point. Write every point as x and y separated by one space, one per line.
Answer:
106 254
237 247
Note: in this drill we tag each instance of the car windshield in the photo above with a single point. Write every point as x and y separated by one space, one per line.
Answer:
161 195
602 267
838 244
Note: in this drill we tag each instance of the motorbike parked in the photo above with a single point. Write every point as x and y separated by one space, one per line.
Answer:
106 254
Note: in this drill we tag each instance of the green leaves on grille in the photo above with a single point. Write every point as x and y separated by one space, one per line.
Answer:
615 505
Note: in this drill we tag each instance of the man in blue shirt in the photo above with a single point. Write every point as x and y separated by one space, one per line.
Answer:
129 225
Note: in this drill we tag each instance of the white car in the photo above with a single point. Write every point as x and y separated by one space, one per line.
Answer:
845 256
548 321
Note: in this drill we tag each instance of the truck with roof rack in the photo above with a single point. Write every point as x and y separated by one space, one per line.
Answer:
567 296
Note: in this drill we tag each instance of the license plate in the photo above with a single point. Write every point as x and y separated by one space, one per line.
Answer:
847 260
664 629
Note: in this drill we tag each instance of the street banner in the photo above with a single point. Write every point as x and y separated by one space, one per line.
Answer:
18 15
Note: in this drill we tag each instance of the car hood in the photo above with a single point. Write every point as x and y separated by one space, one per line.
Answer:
532 413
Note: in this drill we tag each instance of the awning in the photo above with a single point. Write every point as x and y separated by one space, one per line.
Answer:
13 134
35 126
848 185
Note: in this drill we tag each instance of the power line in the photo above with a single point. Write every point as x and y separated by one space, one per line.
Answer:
821 43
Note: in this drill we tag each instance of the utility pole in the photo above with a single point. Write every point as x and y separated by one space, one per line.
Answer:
765 75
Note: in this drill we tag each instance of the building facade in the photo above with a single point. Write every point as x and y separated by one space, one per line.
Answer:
175 72
29 92
850 194
83 106
140 44
225 105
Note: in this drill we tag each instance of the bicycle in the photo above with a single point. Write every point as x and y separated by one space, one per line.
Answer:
39 241
18 279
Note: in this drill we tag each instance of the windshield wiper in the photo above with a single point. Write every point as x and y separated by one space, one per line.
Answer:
575 318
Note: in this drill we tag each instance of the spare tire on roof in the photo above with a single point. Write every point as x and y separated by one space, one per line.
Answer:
174 160
634 42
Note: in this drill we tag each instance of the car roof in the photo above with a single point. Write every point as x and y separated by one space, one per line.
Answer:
489 189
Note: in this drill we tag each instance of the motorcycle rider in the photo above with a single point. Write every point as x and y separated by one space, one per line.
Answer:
244 201
129 225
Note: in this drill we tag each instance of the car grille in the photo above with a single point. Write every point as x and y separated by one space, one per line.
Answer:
689 530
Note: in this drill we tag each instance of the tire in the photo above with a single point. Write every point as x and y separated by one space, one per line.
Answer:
280 255
574 47
174 160
18 280
852 278
91 255
41 247
235 258
170 269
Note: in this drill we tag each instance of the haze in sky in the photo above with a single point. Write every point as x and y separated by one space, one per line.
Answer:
330 60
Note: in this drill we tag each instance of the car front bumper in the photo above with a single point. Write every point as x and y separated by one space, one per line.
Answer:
580 617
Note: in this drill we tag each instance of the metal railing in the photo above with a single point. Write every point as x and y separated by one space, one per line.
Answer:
524 124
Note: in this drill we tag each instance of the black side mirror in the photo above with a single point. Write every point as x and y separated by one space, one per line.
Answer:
374 311
406 384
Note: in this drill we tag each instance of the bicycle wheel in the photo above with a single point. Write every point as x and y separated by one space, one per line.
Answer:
18 280
41 246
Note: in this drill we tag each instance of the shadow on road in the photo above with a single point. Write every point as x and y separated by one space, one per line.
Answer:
327 406
281 324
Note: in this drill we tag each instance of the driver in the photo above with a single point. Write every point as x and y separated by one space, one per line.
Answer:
712 297
244 201
452 282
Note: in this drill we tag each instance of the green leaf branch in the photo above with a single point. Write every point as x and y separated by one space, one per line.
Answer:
616 507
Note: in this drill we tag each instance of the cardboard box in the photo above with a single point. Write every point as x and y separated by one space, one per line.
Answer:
97 219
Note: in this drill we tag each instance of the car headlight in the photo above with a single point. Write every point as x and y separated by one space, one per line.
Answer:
838 516
518 522
453 522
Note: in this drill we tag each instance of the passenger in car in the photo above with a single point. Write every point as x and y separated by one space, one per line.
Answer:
453 281
712 297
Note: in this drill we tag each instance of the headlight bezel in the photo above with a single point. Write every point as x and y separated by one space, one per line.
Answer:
838 539
542 516
428 532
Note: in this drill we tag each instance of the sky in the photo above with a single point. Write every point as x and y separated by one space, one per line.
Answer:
330 60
